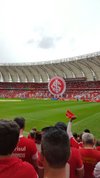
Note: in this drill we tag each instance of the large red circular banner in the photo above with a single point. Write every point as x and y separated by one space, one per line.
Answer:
57 86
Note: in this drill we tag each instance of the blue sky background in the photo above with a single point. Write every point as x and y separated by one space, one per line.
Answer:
41 30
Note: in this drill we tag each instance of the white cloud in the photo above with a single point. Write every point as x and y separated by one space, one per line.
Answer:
35 30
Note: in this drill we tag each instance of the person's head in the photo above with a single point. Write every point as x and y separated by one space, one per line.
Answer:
86 130
97 170
61 125
75 135
20 121
9 134
32 134
55 147
88 139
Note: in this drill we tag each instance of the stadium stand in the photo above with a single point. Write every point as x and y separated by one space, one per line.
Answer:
30 80
74 89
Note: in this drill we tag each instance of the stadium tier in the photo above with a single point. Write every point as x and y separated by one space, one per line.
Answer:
74 90
81 75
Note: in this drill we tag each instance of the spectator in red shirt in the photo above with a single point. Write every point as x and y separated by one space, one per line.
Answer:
89 154
32 134
55 153
26 148
76 164
10 166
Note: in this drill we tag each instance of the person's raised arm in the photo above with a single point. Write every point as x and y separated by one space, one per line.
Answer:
69 127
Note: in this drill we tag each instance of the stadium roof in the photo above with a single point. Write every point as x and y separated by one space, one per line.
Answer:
87 66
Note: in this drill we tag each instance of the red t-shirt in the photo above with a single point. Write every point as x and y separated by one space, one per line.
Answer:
90 157
26 149
98 148
80 144
74 143
75 162
13 167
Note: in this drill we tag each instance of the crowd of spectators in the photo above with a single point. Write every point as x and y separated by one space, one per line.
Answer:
84 89
52 152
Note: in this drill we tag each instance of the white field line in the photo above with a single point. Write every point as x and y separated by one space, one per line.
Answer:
9 100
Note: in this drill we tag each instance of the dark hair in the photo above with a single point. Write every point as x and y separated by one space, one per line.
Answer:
75 135
61 125
20 121
55 147
38 137
44 129
9 134
87 130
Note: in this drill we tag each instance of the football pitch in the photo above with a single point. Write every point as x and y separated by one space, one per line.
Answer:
41 113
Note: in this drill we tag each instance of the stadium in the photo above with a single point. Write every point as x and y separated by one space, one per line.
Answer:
28 83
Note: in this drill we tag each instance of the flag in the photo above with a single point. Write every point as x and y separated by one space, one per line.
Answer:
70 115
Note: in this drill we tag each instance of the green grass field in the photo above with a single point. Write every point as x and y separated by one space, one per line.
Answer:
41 113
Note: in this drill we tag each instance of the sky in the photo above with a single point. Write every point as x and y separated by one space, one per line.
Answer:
44 30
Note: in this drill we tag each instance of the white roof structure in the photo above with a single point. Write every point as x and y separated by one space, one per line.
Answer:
76 67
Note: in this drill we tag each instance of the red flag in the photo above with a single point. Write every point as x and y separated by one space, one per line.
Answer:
70 115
